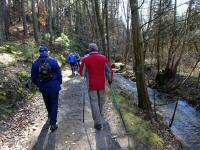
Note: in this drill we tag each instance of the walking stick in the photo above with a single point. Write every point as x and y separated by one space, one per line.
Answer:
118 107
83 109
83 94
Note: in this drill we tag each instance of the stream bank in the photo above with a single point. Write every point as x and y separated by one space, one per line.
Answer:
187 119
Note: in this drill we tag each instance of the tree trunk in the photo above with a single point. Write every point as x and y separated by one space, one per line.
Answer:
127 37
35 22
50 21
24 18
9 12
187 25
59 19
46 3
100 25
6 18
107 29
76 18
158 39
169 58
15 9
143 98
93 27
19 11
2 24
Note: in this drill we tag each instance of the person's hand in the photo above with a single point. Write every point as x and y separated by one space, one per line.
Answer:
109 82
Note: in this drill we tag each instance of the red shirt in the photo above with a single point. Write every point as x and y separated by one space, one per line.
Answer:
95 66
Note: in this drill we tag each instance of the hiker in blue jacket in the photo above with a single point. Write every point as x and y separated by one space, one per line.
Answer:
46 75
73 62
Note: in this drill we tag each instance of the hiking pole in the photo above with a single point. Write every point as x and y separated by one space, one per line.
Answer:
83 94
118 107
83 109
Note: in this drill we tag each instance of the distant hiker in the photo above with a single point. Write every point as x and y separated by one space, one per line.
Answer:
73 62
87 53
96 68
46 75
78 59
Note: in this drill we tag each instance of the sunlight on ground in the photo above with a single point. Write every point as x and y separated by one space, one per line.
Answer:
6 59
66 74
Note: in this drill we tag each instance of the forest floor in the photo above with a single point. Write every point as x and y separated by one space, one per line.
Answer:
28 129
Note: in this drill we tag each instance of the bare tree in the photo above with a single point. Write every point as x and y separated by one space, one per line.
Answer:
2 25
35 22
24 18
100 25
50 19
6 18
143 98
107 29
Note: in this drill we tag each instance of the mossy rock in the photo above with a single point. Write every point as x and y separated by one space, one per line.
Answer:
164 76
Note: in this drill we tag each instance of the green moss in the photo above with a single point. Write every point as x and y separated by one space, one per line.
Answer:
2 96
140 129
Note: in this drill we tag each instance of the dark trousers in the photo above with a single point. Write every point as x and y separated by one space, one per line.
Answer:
78 62
51 103
73 67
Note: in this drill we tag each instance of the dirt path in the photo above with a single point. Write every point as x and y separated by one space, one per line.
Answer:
72 134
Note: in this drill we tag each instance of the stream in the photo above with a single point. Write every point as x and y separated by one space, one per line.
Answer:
186 125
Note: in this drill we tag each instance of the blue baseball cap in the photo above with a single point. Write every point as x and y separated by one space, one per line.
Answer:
43 49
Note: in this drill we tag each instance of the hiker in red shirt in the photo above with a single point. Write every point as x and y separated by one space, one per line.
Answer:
96 68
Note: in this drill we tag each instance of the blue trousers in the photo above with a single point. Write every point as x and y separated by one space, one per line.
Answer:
51 103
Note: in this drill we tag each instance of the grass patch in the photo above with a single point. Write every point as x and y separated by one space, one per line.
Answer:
139 128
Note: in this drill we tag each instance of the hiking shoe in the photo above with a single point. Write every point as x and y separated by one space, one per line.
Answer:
53 128
98 126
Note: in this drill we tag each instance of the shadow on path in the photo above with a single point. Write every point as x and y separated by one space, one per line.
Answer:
45 141
104 140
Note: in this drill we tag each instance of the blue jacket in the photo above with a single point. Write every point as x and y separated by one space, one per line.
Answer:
72 58
52 85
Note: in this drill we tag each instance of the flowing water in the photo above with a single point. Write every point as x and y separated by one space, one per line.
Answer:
186 125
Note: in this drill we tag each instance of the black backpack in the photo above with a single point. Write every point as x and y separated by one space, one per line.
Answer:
45 71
